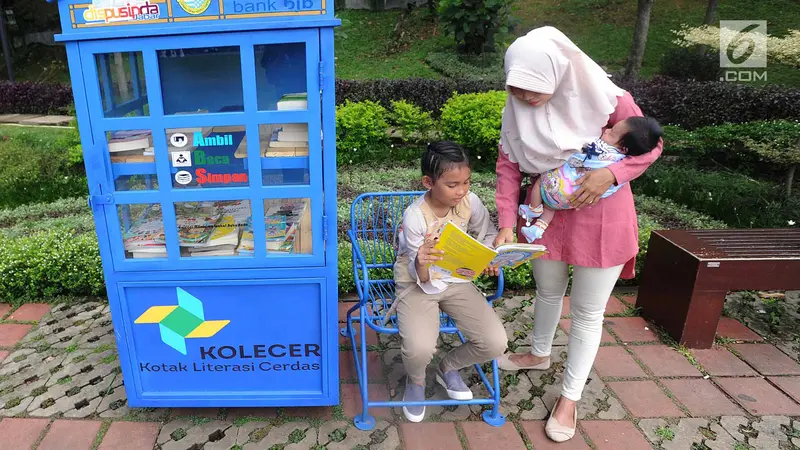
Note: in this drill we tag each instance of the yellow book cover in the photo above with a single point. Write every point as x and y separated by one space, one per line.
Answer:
464 257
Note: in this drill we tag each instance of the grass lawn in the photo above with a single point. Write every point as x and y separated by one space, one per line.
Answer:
47 137
376 46
602 28
372 48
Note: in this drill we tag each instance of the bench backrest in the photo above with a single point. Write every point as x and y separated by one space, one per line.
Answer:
374 219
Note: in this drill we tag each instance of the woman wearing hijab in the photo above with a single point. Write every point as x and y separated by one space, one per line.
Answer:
560 100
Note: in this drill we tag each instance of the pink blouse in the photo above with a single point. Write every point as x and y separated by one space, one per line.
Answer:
603 235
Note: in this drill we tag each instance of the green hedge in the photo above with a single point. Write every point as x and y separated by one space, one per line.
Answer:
474 121
733 198
658 214
39 211
63 261
49 264
486 67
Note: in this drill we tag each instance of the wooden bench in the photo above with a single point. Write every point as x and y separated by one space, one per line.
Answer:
688 273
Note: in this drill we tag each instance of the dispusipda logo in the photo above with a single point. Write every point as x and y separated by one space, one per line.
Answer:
186 320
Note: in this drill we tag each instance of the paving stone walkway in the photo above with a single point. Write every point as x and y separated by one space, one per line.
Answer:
61 388
35 120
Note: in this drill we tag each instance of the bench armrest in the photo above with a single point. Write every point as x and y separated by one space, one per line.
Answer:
359 265
500 288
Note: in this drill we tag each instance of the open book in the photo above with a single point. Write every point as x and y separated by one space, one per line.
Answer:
464 257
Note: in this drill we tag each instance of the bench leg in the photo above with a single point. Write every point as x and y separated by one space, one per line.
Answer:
493 416
670 298
363 421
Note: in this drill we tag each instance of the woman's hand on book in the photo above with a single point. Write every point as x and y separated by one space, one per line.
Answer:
504 236
492 271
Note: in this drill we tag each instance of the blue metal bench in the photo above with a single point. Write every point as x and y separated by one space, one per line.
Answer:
374 218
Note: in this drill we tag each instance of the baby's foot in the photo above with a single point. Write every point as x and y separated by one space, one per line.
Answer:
535 231
528 213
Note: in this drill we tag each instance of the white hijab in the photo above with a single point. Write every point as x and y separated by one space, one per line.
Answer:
543 137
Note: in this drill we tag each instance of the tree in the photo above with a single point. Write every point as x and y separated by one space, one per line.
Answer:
634 64
475 23
711 12
711 17
6 46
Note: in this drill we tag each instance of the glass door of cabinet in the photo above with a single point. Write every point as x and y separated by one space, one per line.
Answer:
211 147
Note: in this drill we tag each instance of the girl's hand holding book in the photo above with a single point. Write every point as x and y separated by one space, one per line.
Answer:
429 255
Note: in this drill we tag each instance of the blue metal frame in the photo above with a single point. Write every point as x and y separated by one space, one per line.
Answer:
374 218
287 14
319 268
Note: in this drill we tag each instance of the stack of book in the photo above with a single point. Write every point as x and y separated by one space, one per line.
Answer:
224 238
282 220
145 238
246 245
131 146
289 139
282 223
213 229
221 242
280 236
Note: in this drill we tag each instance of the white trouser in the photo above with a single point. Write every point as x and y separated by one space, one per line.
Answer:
591 288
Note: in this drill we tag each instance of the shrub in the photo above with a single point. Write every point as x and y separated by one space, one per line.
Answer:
659 214
519 278
346 281
71 141
687 64
687 103
34 98
430 95
487 67
474 121
475 23
82 223
674 216
40 172
360 131
733 198
678 141
49 264
693 104
38 211
646 226
767 145
415 124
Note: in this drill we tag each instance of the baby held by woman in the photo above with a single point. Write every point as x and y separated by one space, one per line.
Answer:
552 191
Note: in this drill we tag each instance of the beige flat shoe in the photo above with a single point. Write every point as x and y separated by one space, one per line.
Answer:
504 363
557 432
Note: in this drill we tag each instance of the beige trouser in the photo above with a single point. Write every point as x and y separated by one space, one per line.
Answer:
418 324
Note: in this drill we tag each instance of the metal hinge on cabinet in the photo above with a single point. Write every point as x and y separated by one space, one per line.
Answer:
98 198
325 228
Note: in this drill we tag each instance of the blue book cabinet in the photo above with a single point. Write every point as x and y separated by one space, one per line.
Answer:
208 137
